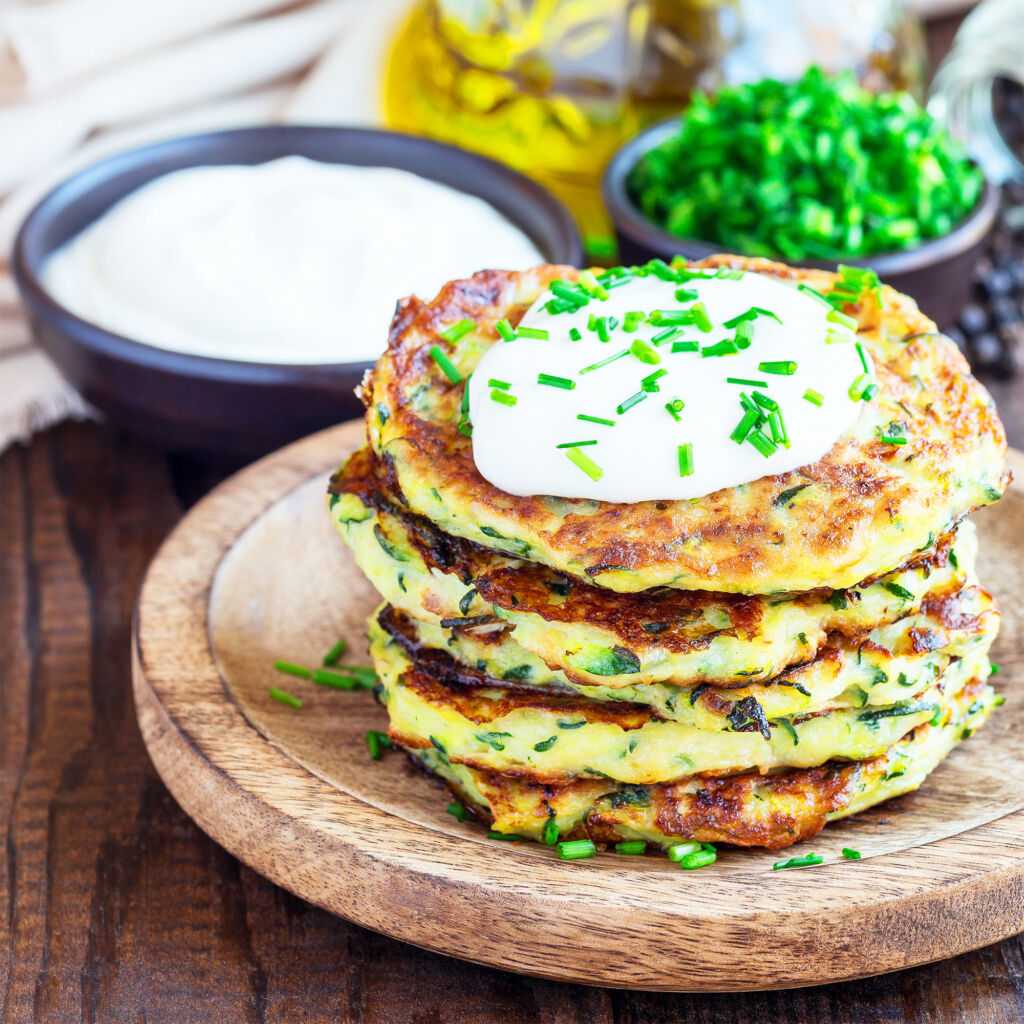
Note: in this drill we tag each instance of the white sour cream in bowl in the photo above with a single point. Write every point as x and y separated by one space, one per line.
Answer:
290 261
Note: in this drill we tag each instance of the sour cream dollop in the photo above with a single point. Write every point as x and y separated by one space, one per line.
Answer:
623 405
290 261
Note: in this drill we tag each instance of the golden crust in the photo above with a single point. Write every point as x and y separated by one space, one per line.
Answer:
870 505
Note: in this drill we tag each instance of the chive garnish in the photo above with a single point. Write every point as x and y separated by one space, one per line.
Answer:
680 850
893 440
837 337
744 335
554 381
686 459
862 355
504 328
456 331
503 397
721 348
576 849
652 377
661 269
364 676
574 444
509 837
457 811
632 321
869 392
685 346
745 425
747 382
783 367
591 285
572 294
814 397
495 383
644 352
675 407
766 403
580 459
550 833
335 680
377 741
604 362
859 386
835 317
601 326
595 419
670 317
336 651
533 332
295 670
815 294
574 334
851 854
686 294
631 401
285 698
632 848
666 335
764 444
798 862
446 365
700 317
701 859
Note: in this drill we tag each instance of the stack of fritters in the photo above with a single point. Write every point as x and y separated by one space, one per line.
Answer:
739 668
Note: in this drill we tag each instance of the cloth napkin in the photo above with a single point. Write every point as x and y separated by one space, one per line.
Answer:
83 79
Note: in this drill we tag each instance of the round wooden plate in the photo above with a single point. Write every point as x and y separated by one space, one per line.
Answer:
255 572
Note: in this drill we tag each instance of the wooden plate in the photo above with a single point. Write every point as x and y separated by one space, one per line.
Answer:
255 572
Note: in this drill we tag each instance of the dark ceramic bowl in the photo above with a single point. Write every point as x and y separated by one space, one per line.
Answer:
196 403
937 273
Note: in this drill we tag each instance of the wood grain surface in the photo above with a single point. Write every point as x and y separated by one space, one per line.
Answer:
118 908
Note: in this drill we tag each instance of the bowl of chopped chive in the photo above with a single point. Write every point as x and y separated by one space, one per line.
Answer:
813 172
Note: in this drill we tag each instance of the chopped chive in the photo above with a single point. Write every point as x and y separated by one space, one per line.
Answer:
766 403
893 440
574 334
504 328
761 311
815 294
602 328
604 362
336 651
863 357
644 352
595 419
670 317
798 862
851 854
675 407
666 335
336 680
572 294
591 285
837 337
739 319
700 317
685 346
631 401
457 811
509 837
784 367
680 850
446 365
869 392
575 444
632 321
459 330
859 386
814 397
775 426
632 848
377 741
747 382
465 427
576 849
745 425
777 421
554 381
285 698
652 377
661 269
686 294
841 296
555 306
729 273
744 335
835 317
748 404
764 444
533 332
700 859
495 383
464 404
686 459
580 459
503 397
721 348
550 833
294 670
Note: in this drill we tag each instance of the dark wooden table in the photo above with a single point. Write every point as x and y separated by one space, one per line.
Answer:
117 907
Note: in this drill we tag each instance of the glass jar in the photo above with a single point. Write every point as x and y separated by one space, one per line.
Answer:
554 87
